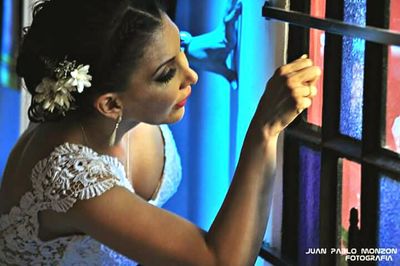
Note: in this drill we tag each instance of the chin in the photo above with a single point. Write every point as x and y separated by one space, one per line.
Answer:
176 116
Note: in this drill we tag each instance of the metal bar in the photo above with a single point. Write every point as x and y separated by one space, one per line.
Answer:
304 132
374 101
328 205
368 33
344 146
385 164
290 214
271 256
332 75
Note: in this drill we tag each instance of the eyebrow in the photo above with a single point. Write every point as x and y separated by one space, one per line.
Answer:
163 64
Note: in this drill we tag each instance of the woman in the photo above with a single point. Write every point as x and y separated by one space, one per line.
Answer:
80 187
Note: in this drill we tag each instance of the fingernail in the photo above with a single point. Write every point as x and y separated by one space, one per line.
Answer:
304 56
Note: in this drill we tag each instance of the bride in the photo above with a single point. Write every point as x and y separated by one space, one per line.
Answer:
84 186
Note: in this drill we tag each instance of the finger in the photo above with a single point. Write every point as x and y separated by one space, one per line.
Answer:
303 103
313 91
304 56
306 76
313 82
295 66
304 91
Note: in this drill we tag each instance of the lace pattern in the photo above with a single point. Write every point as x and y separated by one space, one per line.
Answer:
71 173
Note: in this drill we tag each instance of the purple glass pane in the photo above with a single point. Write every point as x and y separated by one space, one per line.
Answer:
310 166
389 218
352 72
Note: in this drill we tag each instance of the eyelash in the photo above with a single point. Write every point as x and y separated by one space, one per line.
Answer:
165 78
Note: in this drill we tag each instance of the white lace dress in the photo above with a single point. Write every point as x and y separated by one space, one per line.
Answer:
71 173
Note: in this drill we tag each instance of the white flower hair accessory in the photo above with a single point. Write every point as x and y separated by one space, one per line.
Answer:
56 93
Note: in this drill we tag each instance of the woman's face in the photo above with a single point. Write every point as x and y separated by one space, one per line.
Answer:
159 88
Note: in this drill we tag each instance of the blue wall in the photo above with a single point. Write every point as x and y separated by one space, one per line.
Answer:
9 122
204 135
211 134
9 98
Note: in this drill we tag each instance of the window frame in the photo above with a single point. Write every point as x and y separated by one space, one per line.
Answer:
369 152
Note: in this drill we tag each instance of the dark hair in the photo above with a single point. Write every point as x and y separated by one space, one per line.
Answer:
108 35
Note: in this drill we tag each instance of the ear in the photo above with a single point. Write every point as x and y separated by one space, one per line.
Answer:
109 105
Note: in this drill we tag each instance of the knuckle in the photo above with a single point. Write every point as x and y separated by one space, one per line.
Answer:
293 94
290 82
314 91
317 70
303 103
308 62
287 83
280 71
307 102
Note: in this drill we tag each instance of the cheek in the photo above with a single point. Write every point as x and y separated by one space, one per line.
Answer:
155 104
161 102
168 95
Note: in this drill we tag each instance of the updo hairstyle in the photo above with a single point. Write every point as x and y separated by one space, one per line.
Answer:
108 35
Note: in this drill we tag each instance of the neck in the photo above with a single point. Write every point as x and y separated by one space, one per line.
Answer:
97 130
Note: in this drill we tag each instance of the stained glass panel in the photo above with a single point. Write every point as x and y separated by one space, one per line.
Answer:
350 197
310 166
389 218
352 72
317 45
393 84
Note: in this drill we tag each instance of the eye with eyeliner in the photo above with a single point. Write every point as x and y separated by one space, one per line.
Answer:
166 76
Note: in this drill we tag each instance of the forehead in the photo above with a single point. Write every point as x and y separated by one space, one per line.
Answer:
164 44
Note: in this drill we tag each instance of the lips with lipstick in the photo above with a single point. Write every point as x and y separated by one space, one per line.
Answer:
183 102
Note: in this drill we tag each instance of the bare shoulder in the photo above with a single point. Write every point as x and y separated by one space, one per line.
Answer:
147 158
16 178
34 145
144 129
146 139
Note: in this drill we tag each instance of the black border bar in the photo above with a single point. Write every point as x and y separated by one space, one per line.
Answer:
368 33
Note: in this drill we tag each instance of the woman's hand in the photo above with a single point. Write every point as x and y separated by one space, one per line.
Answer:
289 91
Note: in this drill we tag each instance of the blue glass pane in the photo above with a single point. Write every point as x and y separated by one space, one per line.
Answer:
352 72
310 165
389 218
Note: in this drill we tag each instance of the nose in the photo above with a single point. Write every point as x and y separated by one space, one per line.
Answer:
190 76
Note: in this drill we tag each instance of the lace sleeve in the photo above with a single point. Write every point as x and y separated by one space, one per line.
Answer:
74 172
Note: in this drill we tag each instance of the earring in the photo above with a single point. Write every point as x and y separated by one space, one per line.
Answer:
114 133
